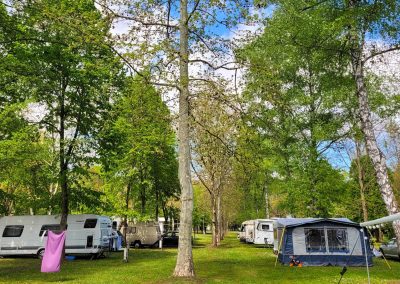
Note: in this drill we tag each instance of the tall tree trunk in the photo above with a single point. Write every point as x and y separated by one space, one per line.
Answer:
63 164
357 42
361 181
215 220
125 222
219 218
266 201
156 187
184 263
142 193
157 203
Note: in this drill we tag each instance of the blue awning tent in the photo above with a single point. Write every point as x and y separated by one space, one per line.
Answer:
321 242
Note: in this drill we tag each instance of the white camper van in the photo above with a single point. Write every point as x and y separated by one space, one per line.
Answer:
143 234
25 235
264 232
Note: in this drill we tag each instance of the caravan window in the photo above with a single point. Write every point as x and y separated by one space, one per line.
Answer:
13 231
54 228
338 240
263 227
315 240
90 223
131 230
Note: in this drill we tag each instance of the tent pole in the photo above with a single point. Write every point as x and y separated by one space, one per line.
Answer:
366 254
280 245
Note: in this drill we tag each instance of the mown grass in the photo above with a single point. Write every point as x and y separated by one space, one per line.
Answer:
233 262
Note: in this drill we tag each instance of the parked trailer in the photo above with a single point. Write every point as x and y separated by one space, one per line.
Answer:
264 232
26 235
143 234
246 233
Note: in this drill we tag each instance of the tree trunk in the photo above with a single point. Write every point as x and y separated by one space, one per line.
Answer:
63 164
266 202
142 193
378 159
215 220
220 235
184 263
125 222
361 181
157 204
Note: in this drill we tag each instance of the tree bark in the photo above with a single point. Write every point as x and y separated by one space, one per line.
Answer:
142 192
220 235
125 222
378 159
63 165
361 181
184 263
215 220
266 202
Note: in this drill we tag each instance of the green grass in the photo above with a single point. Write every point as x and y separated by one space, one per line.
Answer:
233 262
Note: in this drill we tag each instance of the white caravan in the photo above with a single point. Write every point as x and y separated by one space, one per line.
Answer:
27 235
264 232
143 234
246 233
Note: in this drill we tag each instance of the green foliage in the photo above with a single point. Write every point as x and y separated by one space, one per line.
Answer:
57 54
26 163
295 112
138 150
352 203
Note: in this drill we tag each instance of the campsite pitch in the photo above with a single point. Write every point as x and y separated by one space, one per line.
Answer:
233 262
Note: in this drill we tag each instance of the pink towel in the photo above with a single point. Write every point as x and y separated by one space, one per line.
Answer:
53 252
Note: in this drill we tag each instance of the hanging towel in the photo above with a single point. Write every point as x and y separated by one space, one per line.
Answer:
53 251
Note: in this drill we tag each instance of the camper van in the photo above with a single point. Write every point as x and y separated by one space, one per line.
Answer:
264 232
246 233
143 234
27 235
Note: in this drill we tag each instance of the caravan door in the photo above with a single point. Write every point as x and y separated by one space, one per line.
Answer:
264 233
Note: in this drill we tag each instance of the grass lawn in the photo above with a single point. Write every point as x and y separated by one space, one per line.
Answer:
233 262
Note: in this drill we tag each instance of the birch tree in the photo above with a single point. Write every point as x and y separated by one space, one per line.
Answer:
380 17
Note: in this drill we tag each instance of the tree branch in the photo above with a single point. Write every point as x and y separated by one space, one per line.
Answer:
204 42
194 10
313 5
139 73
393 48
138 20
200 178
222 66
33 39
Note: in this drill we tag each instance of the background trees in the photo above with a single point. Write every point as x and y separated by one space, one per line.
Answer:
138 153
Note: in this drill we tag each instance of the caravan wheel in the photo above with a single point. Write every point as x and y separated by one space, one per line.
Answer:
137 244
40 253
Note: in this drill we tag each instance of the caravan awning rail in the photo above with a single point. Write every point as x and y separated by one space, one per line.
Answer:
386 219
